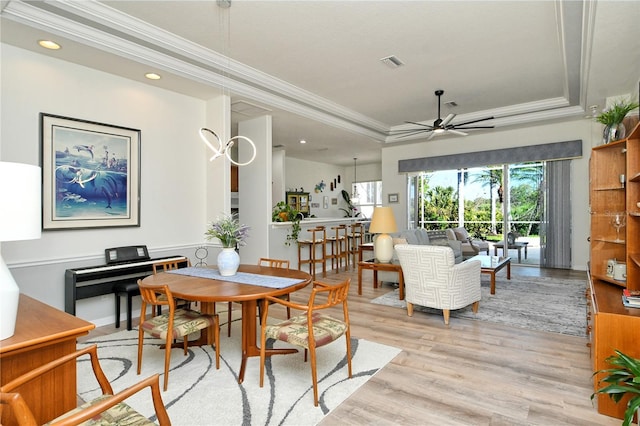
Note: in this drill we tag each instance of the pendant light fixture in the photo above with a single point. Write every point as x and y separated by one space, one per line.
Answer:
224 149
354 195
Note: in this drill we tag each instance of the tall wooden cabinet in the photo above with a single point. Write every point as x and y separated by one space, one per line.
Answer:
614 188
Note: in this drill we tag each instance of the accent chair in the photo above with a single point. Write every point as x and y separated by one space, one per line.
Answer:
433 279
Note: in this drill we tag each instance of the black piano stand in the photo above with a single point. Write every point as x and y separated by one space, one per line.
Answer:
130 290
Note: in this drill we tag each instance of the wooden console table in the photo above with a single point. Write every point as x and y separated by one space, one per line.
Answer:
42 334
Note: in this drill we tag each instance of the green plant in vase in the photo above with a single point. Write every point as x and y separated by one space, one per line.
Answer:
622 380
612 119
283 212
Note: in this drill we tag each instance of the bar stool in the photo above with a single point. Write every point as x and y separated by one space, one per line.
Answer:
339 248
318 239
355 241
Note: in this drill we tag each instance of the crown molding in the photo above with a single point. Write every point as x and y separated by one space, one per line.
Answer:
101 27
137 40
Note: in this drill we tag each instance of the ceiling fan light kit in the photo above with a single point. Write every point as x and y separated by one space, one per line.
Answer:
441 126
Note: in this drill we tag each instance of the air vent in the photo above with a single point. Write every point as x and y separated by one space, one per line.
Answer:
248 109
392 61
451 104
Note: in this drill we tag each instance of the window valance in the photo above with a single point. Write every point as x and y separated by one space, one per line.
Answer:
521 154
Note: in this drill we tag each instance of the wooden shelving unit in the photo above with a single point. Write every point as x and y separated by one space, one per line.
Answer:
299 201
611 325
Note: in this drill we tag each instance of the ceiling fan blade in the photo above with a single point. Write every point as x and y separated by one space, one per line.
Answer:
473 121
407 131
414 132
474 127
447 120
426 126
457 132
431 136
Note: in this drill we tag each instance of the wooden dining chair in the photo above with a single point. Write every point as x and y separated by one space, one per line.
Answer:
323 330
273 263
177 323
169 265
108 408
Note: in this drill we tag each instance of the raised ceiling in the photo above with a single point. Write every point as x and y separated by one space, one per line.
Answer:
315 65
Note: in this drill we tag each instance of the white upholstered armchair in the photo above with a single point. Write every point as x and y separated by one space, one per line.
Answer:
434 280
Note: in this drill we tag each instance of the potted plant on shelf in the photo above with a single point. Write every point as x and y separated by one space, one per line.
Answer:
612 119
622 380
231 234
283 212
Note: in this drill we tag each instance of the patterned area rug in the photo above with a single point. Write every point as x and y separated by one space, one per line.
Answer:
198 394
543 304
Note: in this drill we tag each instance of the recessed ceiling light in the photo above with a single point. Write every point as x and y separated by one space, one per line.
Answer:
152 76
303 141
48 44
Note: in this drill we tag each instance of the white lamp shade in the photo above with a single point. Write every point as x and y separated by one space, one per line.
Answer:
383 222
20 192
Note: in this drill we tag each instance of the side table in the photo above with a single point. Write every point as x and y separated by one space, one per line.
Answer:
376 266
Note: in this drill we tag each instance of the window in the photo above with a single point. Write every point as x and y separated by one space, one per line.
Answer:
369 196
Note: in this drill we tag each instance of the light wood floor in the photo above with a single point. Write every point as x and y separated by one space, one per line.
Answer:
467 373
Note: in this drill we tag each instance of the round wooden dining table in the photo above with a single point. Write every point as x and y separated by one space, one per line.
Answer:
208 291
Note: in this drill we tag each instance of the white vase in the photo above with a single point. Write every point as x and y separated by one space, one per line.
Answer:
228 261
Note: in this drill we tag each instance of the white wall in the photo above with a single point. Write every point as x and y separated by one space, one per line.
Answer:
571 130
174 184
307 174
253 187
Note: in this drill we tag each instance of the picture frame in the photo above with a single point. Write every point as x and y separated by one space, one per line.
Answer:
393 198
334 201
90 174
325 202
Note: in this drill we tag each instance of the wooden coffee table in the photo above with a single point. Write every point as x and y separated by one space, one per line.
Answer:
376 266
493 264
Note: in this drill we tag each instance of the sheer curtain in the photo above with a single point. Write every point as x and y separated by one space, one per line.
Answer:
555 228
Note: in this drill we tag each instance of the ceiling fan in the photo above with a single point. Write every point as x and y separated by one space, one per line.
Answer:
441 126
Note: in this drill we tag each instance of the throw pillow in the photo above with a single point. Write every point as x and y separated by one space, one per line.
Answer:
410 236
461 234
423 237
399 241
438 238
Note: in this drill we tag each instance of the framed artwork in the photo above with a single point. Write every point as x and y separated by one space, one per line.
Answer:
334 201
393 198
90 174
325 202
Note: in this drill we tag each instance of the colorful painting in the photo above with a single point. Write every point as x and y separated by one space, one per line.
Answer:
90 174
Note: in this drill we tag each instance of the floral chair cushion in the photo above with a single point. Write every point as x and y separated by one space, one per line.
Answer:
119 414
296 332
185 322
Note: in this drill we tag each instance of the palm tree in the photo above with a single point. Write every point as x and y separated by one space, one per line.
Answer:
491 176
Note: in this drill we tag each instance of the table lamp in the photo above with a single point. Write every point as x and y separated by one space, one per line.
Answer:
383 223
20 219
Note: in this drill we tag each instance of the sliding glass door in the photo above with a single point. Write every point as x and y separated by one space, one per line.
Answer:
522 206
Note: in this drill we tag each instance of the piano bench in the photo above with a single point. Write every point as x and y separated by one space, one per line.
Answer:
130 290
